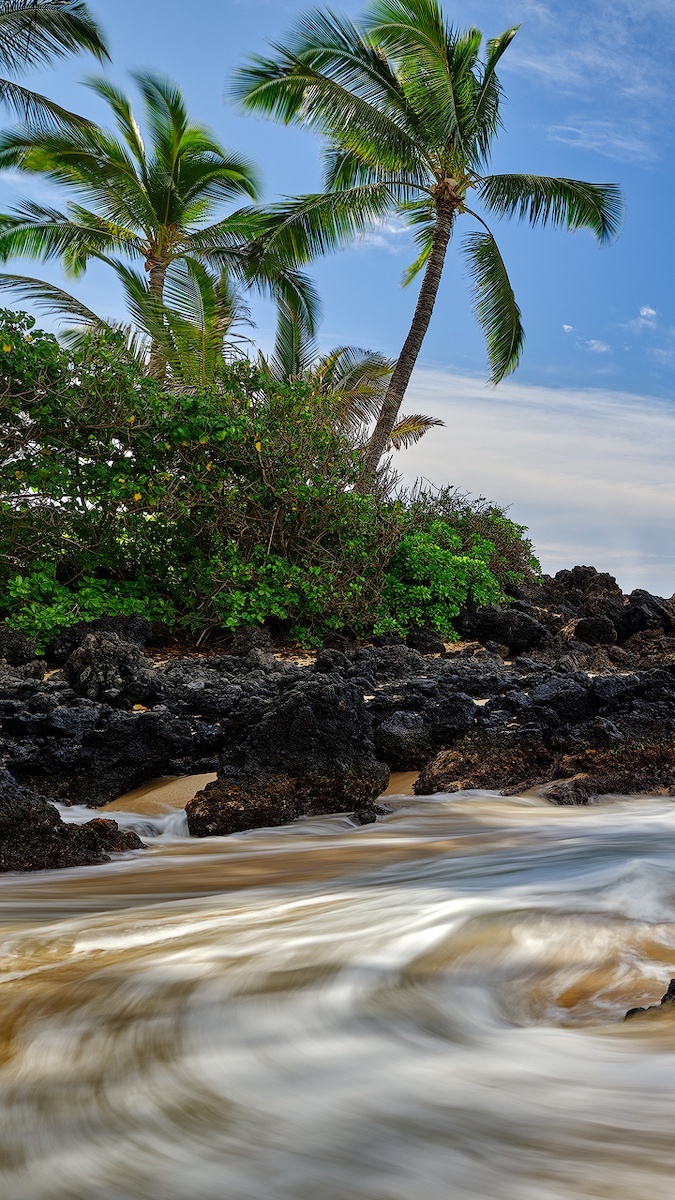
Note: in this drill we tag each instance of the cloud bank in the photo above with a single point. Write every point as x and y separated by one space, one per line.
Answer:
590 472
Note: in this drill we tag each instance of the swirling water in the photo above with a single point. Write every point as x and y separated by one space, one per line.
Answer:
425 1008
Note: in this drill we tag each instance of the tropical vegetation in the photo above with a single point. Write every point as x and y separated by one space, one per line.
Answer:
36 32
409 109
154 200
212 509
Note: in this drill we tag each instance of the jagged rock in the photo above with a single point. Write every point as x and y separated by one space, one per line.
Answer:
134 629
251 637
595 631
34 838
309 750
665 1006
86 753
506 626
426 640
106 669
15 647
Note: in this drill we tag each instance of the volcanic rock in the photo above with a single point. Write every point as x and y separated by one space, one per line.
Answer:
34 838
309 750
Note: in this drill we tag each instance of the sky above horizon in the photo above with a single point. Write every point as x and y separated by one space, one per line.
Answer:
581 440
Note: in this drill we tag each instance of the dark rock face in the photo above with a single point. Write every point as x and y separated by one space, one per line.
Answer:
136 630
426 640
109 670
33 837
612 734
507 626
666 1005
596 631
251 637
307 750
15 647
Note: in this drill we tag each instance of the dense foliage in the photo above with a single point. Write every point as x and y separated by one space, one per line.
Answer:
212 509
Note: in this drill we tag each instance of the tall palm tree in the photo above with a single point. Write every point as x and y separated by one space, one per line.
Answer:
184 341
157 203
409 110
354 380
34 32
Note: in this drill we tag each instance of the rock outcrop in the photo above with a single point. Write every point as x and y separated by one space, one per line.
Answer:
308 749
33 837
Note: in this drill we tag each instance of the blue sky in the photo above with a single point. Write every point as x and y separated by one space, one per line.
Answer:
589 95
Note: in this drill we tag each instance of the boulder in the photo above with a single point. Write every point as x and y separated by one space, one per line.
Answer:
595 631
426 640
34 838
106 669
508 627
15 647
139 631
666 1006
307 751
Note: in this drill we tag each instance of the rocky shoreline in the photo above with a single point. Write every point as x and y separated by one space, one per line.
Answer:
570 688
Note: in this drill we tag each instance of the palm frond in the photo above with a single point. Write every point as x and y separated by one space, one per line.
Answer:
49 298
495 303
542 200
408 430
33 32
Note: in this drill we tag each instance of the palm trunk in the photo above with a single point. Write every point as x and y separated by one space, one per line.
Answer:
156 363
412 345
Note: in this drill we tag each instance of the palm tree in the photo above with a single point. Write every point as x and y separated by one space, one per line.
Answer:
409 110
33 32
355 381
157 203
183 342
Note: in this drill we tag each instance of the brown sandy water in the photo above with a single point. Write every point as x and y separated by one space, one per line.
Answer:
427 1007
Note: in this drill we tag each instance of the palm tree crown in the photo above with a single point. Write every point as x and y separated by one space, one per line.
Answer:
409 107
34 32
152 200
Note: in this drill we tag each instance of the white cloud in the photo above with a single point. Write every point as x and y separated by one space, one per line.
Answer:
390 234
591 472
647 319
568 328
597 347
613 140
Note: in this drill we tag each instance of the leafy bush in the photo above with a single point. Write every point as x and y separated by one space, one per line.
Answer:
431 577
212 509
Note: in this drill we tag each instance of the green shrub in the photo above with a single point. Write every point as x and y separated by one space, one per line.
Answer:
431 577
212 509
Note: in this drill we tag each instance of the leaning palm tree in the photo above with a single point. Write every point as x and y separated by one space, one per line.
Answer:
34 32
409 110
355 381
155 199
183 342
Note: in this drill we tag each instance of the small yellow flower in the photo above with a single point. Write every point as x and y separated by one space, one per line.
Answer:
138 496
209 466
28 338
258 446
7 347
18 474
132 418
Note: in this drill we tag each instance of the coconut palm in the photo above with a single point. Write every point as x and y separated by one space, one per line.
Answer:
193 332
157 203
34 32
354 380
409 110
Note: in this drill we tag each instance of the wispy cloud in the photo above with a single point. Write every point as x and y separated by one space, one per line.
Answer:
591 472
597 347
390 234
613 140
